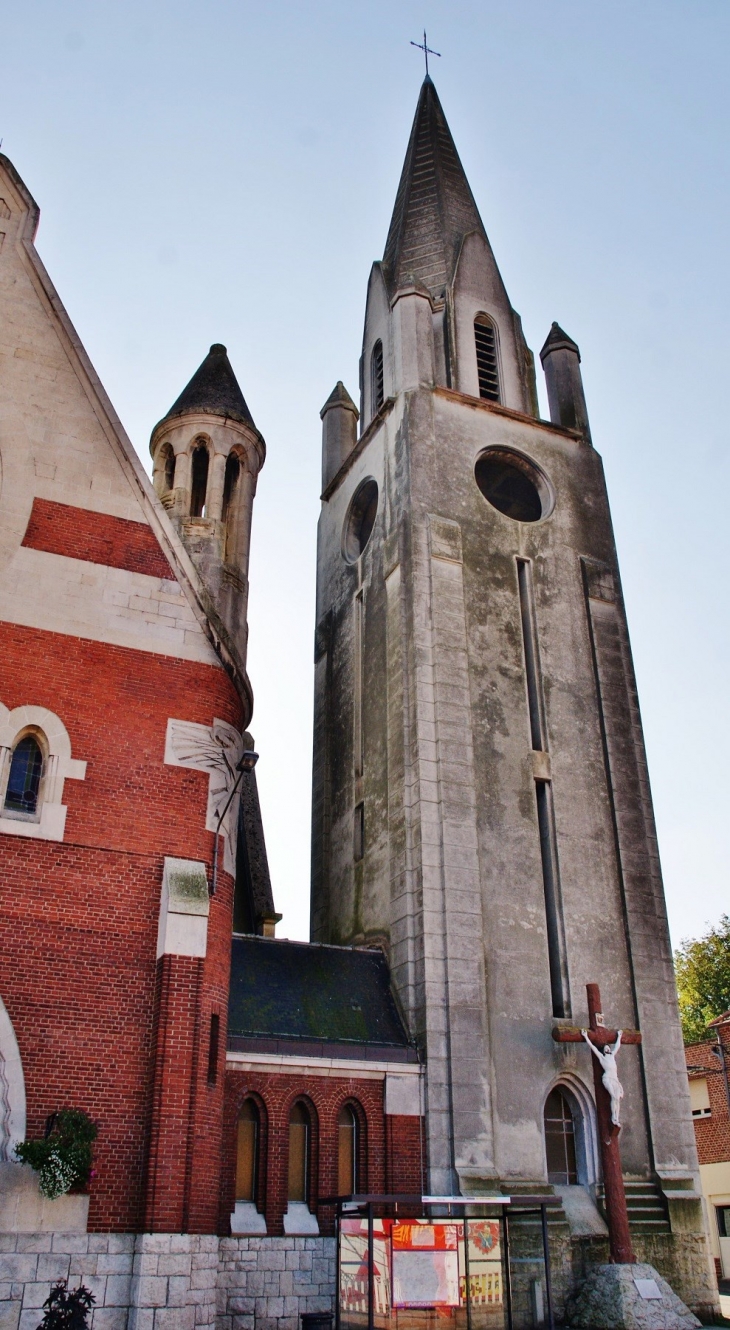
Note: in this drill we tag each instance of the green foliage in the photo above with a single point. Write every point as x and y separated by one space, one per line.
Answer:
67 1309
702 969
63 1158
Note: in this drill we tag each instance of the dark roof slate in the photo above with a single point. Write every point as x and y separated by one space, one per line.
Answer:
214 390
434 207
303 991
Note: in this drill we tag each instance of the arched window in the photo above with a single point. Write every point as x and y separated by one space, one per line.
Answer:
486 349
376 376
24 781
169 469
347 1151
199 481
247 1152
560 1140
228 515
299 1144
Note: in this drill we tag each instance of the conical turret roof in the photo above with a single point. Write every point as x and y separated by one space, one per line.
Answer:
434 206
214 390
557 337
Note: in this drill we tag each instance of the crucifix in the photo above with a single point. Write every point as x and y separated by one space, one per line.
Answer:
604 1045
427 51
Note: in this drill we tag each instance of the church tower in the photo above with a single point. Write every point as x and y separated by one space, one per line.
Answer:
481 799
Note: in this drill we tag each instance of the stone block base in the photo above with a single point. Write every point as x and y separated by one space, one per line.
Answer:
627 1297
169 1281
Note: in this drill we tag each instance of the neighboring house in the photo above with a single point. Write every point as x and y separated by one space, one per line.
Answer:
708 1068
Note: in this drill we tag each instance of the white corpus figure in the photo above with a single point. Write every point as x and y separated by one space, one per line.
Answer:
610 1078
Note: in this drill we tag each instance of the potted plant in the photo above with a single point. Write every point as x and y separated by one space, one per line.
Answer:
63 1157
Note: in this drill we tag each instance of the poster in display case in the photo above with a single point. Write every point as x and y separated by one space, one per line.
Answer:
425 1261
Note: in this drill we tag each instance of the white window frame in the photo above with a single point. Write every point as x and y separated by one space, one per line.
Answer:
48 822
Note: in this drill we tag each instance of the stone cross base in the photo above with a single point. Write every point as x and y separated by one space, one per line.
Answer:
627 1297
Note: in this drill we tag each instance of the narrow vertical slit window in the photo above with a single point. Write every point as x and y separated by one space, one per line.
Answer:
299 1140
247 1152
199 481
357 736
169 469
553 907
358 836
228 511
376 376
532 662
486 348
347 1148
213 1046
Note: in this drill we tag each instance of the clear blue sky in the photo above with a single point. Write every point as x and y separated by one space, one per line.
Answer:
226 171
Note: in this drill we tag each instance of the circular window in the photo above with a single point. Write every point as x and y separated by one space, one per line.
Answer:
360 520
513 485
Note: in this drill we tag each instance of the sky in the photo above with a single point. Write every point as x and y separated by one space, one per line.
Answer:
225 172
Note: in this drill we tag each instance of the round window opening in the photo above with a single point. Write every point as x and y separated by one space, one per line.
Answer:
360 520
513 485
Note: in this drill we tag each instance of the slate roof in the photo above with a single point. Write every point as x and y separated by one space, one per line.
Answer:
434 207
213 389
299 996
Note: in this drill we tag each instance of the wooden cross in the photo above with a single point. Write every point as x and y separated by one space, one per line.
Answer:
427 51
622 1252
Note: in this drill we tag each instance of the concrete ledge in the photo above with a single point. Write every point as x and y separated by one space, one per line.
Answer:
24 1210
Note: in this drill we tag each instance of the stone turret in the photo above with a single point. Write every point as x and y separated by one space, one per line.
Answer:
561 362
207 454
339 431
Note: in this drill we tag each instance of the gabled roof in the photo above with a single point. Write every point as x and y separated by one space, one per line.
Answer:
213 390
434 207
151 508
338 998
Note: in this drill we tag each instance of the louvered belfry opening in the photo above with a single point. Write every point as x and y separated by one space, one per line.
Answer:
377 376
486 348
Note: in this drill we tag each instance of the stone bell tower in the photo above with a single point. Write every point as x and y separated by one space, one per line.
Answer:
481 800
207 455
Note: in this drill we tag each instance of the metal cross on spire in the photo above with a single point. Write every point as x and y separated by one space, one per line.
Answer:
427 51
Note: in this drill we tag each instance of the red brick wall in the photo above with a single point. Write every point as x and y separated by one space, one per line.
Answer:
712 1133
59 528
78 921
390 1156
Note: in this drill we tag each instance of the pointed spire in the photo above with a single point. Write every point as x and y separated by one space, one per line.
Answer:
213 390
557 338
434 206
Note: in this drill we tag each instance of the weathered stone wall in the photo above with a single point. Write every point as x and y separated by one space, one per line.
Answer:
152 1281
269 1282
169 1281
173 1281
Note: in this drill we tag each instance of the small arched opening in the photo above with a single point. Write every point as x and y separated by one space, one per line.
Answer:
571 1144
485 343
300 1134
22 794
229 512
199 480
248 1132
299 1217
168 468
560 1143
348 1151
376 377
